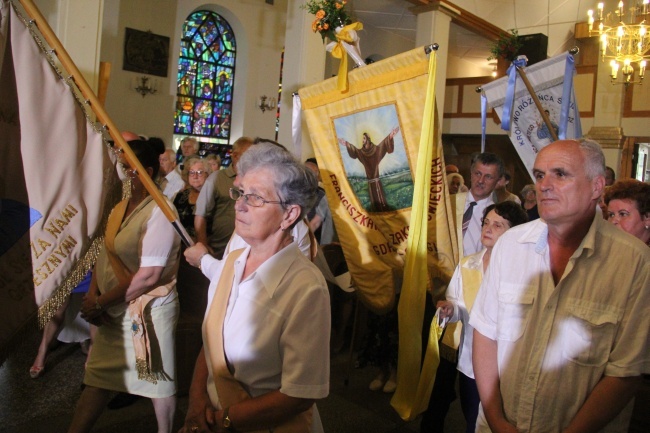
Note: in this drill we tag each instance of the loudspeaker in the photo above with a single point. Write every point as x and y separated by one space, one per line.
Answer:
534 47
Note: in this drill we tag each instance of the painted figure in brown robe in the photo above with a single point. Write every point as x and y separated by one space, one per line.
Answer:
370 155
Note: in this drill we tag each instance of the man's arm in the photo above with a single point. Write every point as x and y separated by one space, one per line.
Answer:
484 359
608 398
201 229
204 205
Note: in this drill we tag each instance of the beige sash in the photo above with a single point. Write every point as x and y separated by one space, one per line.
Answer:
136 307
230 391
451 340
472 279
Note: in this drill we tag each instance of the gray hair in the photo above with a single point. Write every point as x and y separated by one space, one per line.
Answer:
190 161
212 156
526 189
294 183
594 158
171 154
488 158
195 143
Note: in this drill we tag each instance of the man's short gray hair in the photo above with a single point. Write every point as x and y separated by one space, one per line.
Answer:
171 154
195 143
294 183
489 158
594 158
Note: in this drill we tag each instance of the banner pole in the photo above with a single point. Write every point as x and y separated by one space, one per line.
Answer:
91 99
538 104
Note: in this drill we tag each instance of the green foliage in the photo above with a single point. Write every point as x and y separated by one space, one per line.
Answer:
506 47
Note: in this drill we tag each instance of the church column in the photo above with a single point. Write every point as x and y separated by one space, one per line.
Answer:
78 25
304 64
433 27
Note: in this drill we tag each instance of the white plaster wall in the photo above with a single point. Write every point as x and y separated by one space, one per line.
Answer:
76 23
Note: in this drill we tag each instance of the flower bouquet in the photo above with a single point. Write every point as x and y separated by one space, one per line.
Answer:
330 14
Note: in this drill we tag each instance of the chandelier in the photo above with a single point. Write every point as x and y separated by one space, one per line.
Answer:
625 43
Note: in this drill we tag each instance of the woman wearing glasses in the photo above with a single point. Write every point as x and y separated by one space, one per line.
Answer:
265 357
132 300
195 172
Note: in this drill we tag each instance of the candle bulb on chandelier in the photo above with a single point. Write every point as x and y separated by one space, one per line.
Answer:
614 66
601 6
620 10
642 66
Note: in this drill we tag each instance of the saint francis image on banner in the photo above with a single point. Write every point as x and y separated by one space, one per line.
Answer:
374 158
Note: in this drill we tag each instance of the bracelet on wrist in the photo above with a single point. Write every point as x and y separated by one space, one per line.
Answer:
98 306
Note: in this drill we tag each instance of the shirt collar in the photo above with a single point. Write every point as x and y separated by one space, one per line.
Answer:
538 235
487 200
589 241
272 271
230 172
474 261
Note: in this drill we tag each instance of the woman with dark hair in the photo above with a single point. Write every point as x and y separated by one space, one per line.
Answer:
265 356
462 290
628 207
132 300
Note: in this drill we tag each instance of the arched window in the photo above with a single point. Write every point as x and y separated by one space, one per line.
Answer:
206 75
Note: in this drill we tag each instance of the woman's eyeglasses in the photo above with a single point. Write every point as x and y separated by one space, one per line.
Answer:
197 172
251 199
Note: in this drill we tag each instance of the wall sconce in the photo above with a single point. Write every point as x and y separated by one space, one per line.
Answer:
144 86
265 103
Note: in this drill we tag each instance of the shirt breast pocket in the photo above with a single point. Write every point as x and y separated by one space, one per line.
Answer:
515 304
589 332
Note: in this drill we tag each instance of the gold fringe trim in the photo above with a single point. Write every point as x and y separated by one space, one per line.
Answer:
79 271
144 373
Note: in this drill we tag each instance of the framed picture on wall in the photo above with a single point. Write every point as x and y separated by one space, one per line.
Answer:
146 53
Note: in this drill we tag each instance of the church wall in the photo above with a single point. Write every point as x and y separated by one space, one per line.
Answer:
151 115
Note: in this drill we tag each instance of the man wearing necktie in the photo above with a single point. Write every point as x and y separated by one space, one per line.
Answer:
486 170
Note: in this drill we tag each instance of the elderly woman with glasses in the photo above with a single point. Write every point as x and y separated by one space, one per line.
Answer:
195 171
265 357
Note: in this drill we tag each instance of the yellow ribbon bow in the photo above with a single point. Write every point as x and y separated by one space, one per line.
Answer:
338 51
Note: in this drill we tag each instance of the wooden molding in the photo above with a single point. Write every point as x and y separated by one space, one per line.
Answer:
459 16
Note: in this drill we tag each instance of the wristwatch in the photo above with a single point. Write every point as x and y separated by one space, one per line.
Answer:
227 423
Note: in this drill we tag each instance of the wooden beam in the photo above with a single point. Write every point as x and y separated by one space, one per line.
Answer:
459 16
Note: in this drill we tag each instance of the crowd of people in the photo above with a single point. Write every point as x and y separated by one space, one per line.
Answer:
548 329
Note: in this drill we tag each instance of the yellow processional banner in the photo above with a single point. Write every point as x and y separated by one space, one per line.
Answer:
381 161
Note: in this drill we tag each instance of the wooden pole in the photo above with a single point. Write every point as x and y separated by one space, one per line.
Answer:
538 104
102 116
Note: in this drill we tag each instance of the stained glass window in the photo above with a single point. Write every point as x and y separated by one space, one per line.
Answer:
206 75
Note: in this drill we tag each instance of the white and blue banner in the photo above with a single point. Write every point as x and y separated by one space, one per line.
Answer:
552 80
